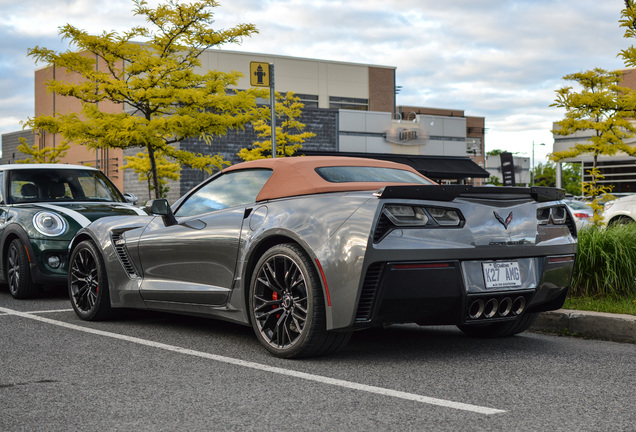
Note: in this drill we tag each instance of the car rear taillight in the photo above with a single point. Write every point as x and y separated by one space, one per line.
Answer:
406 216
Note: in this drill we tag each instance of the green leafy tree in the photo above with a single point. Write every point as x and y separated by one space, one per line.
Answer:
494 180
42 155
166 170
495 152
165 99
289 130
603 107
545 175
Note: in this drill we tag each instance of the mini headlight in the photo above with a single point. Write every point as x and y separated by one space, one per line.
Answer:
50 224
406 215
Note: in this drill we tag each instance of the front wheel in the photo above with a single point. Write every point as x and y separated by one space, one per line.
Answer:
287 307
500 329
88 284
21 284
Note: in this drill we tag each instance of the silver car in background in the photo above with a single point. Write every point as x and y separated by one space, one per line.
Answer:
581 211
308 249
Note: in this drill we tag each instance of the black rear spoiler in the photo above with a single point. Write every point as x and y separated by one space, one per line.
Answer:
450 192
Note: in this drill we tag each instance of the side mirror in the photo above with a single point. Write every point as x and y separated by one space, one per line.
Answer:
131 198
160 207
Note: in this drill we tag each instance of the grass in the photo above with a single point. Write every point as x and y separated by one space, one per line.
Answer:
625 305
604 278
606 263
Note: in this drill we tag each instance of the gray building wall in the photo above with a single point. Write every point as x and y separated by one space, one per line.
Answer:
322 122
10 143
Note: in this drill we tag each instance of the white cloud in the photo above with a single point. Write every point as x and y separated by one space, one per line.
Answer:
501 60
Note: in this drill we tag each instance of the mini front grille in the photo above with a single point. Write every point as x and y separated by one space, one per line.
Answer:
369 292
122 253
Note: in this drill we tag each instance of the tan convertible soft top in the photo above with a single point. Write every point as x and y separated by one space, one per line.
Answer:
293 176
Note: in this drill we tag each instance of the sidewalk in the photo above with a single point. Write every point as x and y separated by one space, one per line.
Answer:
593 325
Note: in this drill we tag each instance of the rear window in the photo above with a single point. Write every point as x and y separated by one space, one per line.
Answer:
346 174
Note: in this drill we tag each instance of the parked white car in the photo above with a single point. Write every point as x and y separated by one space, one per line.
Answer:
581 211
620 211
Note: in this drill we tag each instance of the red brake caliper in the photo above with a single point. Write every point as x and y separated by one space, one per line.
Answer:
275 297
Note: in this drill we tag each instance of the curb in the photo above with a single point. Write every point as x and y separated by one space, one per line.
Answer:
592 325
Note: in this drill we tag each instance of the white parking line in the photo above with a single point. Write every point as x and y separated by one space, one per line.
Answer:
49 311
271 369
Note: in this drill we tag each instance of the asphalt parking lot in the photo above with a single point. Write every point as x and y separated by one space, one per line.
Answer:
154 371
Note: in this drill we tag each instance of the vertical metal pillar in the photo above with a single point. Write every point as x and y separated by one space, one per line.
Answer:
272 106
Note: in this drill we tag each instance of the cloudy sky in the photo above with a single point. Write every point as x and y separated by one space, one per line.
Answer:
498 59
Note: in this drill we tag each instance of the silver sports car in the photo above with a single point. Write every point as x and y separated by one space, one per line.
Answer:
308 249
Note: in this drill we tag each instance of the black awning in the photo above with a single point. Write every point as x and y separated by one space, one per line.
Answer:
435 167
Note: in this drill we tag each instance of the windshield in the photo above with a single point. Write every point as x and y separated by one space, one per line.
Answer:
50 184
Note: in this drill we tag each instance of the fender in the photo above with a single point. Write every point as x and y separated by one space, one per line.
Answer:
12 231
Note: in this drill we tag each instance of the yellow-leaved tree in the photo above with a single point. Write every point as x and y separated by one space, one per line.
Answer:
166 170
42 155
289 130
603 107
152 73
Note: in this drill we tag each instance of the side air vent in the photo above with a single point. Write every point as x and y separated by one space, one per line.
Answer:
122 253
369 292
571 224
382 229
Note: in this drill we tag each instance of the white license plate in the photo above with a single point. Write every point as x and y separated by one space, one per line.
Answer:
501 274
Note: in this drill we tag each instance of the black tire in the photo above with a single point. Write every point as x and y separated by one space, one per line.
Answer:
500 329
287 306
621 220
88 283
19 277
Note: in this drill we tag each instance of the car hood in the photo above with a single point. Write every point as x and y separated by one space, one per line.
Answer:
86 212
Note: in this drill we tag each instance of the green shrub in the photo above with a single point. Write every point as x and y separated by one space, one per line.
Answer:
606 262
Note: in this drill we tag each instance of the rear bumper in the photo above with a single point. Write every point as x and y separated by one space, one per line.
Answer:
452 292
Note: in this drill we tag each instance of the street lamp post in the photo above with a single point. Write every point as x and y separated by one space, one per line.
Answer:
532 173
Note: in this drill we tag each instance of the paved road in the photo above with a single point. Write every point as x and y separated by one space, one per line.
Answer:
151 371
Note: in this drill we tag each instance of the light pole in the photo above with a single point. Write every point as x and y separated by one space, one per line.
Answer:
532 172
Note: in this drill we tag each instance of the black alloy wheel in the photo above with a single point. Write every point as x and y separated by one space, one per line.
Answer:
19 278
88 284
287 305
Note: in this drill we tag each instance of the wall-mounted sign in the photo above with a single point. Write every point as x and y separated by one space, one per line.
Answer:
405 135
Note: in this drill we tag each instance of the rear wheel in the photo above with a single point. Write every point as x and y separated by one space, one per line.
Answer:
287 307
500 329
621 220
21 284
88 284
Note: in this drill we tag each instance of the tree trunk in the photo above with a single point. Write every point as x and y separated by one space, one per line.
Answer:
153 170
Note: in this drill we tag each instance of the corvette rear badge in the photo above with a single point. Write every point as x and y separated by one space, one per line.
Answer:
501 220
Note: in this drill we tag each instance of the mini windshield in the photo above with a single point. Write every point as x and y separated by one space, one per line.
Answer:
50 184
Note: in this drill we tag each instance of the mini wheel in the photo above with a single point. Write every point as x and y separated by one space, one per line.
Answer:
88 284
21 284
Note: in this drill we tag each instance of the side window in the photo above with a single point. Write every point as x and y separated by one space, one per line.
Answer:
232 189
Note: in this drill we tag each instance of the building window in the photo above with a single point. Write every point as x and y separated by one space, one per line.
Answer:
348 103
310 101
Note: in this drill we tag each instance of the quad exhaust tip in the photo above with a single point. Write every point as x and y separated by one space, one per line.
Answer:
493 308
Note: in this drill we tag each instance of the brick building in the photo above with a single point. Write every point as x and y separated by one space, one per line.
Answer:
350 107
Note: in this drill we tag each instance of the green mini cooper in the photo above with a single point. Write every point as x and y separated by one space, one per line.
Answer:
42 206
